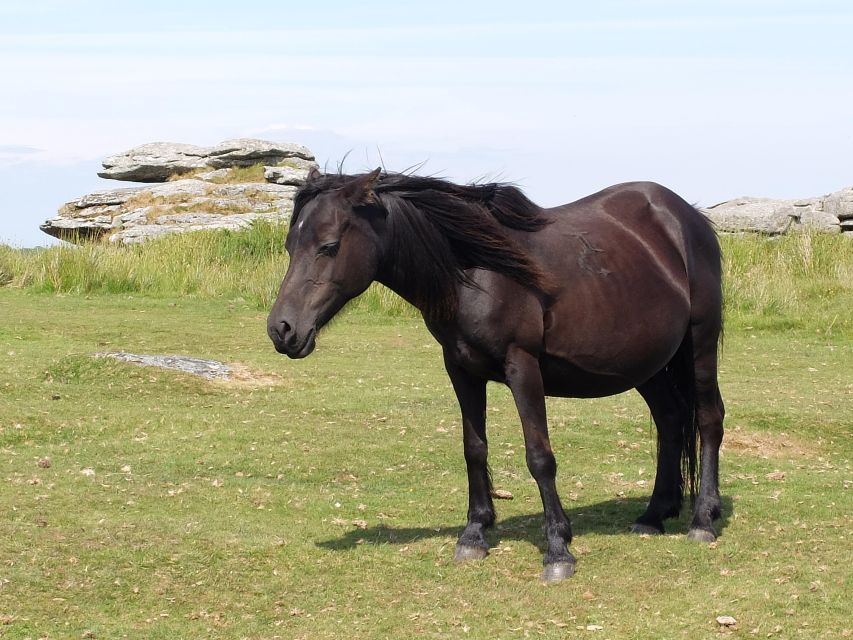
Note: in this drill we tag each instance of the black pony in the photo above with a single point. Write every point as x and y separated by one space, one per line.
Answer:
619 290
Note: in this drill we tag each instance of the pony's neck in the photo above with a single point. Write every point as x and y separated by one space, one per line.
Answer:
406 283
400 284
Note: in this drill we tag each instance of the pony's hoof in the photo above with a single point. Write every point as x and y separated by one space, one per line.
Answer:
645 529
466 552
557 571
701 535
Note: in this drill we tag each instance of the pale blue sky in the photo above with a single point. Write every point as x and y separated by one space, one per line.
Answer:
714 99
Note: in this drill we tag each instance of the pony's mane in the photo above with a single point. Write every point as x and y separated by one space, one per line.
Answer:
439 229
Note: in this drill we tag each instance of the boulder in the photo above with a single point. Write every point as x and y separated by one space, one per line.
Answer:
160 161
762 215
139 213
825 214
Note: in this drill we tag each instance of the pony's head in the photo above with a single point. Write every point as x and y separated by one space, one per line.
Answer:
334 249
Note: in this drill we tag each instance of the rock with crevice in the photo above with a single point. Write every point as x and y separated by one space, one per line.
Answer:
161 161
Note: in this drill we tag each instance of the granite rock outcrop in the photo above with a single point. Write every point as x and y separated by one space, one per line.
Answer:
831 213
228 186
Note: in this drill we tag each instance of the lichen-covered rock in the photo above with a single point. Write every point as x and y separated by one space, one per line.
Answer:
138 213
160 161
227 186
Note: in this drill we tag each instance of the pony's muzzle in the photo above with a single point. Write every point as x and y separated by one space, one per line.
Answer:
288 341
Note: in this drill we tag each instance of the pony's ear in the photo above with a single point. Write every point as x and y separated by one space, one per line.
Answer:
359 192
313 174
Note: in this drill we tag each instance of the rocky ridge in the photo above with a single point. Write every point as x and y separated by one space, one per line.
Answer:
227 186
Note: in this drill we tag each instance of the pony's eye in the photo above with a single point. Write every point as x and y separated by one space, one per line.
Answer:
330 249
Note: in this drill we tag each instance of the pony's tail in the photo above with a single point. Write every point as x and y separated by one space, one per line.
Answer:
684 379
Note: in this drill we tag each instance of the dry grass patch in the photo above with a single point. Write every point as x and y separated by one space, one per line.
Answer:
233 175
766 445
246 377
188 175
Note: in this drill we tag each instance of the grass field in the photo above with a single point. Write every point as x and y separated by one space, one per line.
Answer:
322 498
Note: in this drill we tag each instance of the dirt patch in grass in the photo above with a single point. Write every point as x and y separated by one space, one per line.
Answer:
766 445
246 377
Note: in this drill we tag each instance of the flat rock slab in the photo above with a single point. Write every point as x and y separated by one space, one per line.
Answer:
159 161
210 369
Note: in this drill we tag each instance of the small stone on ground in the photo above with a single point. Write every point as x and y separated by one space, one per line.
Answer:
210 369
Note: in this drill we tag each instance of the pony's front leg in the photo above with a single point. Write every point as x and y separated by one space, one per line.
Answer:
525 381
471 393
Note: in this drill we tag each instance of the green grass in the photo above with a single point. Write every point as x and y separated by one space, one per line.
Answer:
328 503
323 497
802 280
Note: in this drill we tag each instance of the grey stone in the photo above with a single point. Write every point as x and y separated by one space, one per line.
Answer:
105 197
825 214
815 218
75 230
840 204
293 171
244 152
134 215
154 162
159 161
210 369
762 215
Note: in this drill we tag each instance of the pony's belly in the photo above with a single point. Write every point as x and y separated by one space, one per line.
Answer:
564 379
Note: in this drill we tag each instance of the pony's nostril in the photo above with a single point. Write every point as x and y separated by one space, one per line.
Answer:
279 331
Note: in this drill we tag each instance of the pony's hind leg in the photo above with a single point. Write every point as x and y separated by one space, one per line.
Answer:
669 411
471 394
710 412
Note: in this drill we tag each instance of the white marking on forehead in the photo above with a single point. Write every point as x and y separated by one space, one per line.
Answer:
302 217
